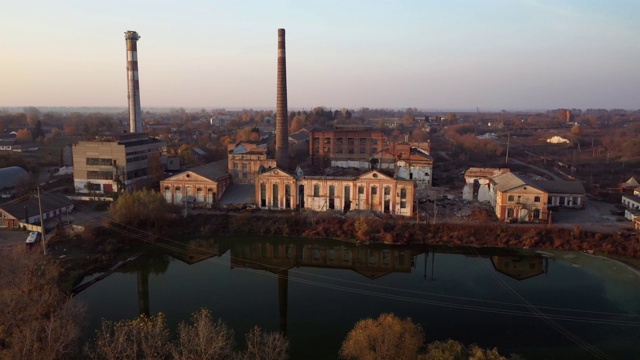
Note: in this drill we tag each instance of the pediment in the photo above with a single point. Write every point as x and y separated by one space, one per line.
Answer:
374 175
189 176
276 173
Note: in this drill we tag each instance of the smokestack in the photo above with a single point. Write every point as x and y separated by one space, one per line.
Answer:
282 117
133 84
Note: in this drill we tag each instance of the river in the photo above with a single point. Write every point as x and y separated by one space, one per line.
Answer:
540 305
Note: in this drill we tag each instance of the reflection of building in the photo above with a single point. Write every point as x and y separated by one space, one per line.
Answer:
246 159
371 262
201 186
520 267
374 191
114 162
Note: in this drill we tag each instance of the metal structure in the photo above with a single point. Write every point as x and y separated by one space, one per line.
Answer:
282 116
133 84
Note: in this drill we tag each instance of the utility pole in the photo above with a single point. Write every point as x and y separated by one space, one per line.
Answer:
506 158
44 245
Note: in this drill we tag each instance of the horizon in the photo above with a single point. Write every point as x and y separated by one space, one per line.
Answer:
525 55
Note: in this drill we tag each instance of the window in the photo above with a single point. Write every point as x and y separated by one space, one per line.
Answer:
316 190
510 198
374 191
509 213
536 199
361 190
100 175
387 191
274 194
263 195
403 198
98 161
519 198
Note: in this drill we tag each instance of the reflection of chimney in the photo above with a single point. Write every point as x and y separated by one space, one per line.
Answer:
143 292
283 290
135 112
282 118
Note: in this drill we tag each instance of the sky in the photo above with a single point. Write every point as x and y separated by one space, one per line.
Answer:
488 55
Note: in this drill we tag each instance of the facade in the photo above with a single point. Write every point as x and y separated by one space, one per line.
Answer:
276 189
517 199
201 186
28 211
345 146
246 160
113 163
373 190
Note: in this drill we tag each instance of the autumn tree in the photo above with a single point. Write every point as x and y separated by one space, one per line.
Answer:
38 320
24 136
387 337
144 208
156 171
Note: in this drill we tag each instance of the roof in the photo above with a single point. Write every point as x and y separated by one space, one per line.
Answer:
561 186
12 176
508 181
484 172
213 170
50 202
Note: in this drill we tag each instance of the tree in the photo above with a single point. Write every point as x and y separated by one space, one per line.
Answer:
140 338
145 208
37 320
156 171
24 136
296 124
203 339
387 337
266 346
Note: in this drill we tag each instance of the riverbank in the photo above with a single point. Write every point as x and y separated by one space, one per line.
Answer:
100 247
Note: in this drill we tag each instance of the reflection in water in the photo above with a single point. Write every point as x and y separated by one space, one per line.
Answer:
278 256
520 267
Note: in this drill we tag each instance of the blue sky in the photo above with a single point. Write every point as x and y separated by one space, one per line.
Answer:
440 55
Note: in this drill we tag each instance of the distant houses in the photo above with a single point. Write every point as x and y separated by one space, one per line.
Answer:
28 210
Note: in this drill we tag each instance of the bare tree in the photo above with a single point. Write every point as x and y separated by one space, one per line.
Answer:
140 338
266 346
203 339
37 320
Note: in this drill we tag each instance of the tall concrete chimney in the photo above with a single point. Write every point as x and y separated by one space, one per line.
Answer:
133 84
282 116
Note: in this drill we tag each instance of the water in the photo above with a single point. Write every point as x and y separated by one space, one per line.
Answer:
522 302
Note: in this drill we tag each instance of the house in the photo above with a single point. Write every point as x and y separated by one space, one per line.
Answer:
276 189
519 267
632 206
200 186
112 163
10 179
28 210
517 199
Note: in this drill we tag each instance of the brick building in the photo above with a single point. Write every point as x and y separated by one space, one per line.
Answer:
345 146
246 159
